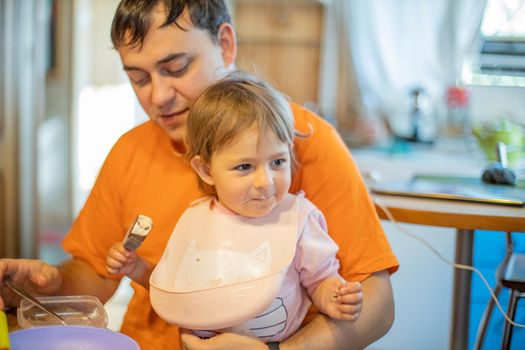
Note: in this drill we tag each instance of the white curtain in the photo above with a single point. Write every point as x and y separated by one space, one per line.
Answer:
376 51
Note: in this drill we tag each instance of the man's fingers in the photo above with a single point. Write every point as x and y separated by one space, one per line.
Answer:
190 341
32 275
42 275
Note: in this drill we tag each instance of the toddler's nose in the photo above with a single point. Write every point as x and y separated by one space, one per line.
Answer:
263 178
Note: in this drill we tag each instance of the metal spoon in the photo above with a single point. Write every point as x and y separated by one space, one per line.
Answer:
18 290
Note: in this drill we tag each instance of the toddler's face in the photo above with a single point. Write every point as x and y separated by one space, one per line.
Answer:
252 173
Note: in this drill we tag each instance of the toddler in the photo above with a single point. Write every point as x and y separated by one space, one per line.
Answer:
239 141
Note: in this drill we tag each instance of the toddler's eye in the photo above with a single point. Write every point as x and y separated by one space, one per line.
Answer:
278 162
244 167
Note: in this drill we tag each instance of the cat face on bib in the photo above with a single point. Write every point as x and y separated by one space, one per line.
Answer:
202 269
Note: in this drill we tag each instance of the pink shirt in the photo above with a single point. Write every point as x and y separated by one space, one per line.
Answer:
314 261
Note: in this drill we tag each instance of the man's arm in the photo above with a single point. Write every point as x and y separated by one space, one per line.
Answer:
78 277
323 332
375 320
72 277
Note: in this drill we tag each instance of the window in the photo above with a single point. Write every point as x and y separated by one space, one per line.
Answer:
500 57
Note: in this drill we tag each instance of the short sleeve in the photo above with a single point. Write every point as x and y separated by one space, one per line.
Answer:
331 180
316 251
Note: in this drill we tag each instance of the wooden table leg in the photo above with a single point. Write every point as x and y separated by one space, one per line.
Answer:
461 291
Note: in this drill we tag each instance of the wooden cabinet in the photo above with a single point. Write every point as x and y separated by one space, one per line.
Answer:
280 41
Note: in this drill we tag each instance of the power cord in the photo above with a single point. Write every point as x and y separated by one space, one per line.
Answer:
451 263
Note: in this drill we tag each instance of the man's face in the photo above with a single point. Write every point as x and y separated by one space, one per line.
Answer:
172 68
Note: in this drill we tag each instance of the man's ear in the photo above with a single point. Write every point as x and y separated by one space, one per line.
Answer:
202 169
228 43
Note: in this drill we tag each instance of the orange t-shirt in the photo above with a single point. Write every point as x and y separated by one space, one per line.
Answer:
143 175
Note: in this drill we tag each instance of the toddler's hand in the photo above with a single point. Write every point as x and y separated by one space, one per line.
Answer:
347 300
120 260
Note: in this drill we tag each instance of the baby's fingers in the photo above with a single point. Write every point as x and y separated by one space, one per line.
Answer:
114 264
350 299
350 287
118 247
349 312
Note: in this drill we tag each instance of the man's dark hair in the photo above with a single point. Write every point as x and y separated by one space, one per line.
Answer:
132 19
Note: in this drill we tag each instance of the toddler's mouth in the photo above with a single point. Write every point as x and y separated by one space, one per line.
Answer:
262 198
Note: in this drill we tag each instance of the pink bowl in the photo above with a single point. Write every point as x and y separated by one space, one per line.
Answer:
216 308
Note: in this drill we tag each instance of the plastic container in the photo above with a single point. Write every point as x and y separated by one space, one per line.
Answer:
70 338
81 310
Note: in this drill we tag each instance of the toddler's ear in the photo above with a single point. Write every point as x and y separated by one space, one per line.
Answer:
202 169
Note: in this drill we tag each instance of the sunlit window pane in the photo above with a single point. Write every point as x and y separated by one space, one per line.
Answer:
104 114
504 18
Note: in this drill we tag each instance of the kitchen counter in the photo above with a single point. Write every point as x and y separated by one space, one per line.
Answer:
402 160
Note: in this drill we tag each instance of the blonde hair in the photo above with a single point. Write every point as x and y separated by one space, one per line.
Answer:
230 107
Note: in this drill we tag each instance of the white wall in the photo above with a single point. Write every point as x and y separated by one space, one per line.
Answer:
105 62
422 290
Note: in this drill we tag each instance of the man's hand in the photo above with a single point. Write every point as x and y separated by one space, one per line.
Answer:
35 276
72 277
375 319
224 341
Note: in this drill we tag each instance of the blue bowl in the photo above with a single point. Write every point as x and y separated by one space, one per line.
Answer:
70 338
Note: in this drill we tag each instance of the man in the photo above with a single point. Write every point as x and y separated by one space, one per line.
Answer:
172 51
